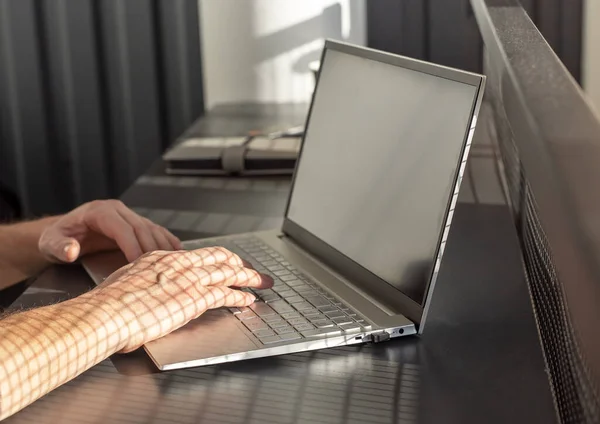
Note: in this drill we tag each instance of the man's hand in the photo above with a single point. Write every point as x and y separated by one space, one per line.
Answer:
103 225
42 348
163 291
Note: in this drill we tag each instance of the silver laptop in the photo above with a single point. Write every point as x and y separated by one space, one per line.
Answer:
385 148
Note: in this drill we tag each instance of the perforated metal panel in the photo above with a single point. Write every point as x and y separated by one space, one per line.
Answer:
573 386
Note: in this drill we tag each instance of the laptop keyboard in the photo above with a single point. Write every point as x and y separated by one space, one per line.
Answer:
295 307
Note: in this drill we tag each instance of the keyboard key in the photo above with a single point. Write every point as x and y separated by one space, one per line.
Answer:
303 288
279 285
318 300
264 333
291 315
234 311
290 336
273 318
248 314
290 278
255 324
278 324
342 320
350 327
261 309
321 332
282 273
327 308
316 317
297 321
287 294
283 330
268 263
282 289
337 314
324 323
294 299
310 313
304 327
270 339
274 268
303 306
269 297
281 306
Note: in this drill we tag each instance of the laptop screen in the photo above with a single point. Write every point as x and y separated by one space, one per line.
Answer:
378 165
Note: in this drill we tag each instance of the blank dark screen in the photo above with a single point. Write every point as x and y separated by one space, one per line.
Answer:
378 165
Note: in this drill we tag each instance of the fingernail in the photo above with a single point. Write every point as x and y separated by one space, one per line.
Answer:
68 254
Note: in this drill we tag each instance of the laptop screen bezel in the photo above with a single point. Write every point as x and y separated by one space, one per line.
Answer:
391 297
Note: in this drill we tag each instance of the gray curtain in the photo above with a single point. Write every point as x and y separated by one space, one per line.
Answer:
91 92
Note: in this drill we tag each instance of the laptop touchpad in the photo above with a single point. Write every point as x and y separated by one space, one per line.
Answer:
215 333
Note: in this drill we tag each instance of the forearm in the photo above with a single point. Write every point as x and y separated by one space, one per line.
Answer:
19 254
44 348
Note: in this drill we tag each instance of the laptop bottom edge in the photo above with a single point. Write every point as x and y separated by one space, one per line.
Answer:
374 336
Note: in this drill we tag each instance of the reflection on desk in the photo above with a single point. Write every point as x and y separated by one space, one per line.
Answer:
348 385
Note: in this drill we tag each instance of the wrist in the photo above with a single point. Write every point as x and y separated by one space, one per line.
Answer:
110 324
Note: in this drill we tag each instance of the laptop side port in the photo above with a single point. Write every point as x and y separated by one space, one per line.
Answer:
378 337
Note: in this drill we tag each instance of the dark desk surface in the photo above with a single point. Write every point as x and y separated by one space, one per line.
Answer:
479 360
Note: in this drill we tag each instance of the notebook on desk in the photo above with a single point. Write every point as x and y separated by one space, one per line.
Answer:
243 156
367 219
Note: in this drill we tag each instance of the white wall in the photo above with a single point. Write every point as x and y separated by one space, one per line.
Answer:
591 51
259 50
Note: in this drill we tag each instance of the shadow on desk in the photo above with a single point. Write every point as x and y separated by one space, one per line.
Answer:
346 385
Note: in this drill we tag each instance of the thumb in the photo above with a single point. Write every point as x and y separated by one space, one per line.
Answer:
65 249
